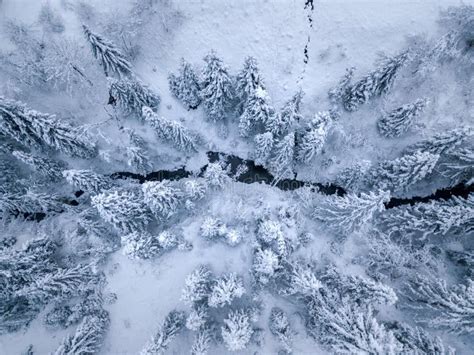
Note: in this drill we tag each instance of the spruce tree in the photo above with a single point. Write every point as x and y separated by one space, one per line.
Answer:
172 325
350 212
37 129
460 166
376 83
257 111
110 57
125 210
225 289
197 286
171 131
442 142
263 147
237 330
290 115
217 89
280 327
399 121
453 307
202 341
132 95
433 218
417 341
88 337
313 139
45 167
283 157
87 180
400 173
248 80
185 86
162 197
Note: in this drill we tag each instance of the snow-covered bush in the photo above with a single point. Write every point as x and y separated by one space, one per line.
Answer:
237 330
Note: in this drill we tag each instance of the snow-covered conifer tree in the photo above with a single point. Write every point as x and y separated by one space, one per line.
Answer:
399 121
353 178
162 197
225 290
417 341
283 157
185 86
172 131
215 175
265 265
350 212
125 210
237 330
460 166
212 228
248 80
263 147
280 327
301 280
87 180
43 166
141 245
194 189
172 325
400 173
132 95
443 307
202 341
217 90
197 285
314 138
442 142
197 318
347 328
20 203
290 114
336 93
431 219
376 83
88 337
110 57
257 111
37 129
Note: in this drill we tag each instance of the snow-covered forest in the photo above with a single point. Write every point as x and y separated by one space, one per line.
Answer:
236 177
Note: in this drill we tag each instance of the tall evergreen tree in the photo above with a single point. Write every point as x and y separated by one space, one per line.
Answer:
376 83
237 330
171 131
172 325
400 173
248 80
257 111
217 90
162 197
37 129
185 86
263 147
87 180
314 138
110 57
132 95
289 115
350 212
125 210
442 142
399 121
283 157
43 166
